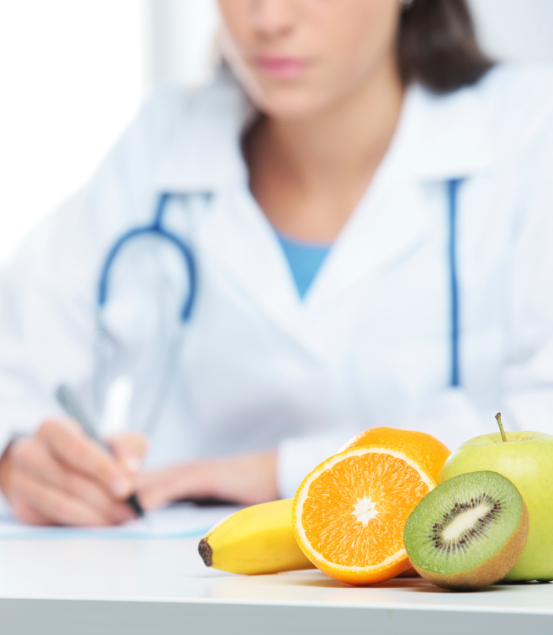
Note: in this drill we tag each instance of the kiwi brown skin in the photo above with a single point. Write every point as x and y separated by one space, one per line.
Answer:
488 572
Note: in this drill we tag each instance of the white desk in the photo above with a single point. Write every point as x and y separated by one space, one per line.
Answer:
85 587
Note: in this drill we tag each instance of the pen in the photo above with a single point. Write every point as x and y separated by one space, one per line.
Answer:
69 402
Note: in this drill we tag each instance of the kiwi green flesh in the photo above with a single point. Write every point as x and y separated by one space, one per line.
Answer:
464 523
489 572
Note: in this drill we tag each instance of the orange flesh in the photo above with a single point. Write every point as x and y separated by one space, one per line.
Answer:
355 511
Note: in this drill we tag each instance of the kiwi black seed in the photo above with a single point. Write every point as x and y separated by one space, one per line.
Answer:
468 532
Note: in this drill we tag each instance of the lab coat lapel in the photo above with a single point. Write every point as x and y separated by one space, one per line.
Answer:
438 138
386 225
250 259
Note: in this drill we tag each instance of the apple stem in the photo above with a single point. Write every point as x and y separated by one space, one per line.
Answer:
503 436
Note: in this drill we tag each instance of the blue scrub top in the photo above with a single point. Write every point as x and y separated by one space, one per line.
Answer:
304 259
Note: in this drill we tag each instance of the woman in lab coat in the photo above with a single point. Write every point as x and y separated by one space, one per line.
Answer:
370 204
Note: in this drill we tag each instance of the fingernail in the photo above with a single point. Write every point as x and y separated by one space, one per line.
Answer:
132 463
120 486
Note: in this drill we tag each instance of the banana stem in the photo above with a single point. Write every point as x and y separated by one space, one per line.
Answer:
503 436
206 552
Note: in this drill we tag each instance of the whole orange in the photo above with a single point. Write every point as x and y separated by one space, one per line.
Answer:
425 449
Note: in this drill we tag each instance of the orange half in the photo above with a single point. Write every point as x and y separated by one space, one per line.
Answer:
349 513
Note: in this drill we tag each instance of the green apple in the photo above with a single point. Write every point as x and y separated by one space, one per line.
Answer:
526 459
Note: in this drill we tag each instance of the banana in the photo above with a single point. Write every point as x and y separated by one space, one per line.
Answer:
255 540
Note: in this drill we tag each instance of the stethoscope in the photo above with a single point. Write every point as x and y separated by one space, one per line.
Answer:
157 229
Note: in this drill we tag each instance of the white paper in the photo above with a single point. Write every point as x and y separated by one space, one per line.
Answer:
179 521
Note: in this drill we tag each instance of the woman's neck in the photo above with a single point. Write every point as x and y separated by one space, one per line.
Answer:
309 174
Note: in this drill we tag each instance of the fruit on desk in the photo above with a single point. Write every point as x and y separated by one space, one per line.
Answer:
255 540
469 532
425 449
526 459
349 513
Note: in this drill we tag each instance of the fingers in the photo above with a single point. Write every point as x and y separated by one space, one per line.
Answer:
130 449
50 503
58 476
69 444
26 514
33 458
247 479
161 487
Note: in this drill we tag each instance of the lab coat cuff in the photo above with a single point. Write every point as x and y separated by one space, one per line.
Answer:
299 456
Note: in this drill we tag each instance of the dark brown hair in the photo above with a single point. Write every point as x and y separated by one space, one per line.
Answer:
437 45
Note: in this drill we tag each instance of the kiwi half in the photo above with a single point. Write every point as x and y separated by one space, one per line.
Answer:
468 532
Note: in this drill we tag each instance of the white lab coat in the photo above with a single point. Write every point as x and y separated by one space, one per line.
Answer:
370 344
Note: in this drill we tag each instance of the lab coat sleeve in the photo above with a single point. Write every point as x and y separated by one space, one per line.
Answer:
47 293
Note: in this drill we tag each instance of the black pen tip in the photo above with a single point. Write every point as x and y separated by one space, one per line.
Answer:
134 504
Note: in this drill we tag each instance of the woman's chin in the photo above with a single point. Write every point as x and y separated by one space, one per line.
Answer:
291 104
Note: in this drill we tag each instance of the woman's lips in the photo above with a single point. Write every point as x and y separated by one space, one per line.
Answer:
281 67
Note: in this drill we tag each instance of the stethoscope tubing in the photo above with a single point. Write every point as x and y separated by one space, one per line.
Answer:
156 229
453 198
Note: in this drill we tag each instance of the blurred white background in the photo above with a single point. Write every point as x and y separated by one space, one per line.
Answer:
74 73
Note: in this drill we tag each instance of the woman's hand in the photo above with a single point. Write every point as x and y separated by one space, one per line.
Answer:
246 479
59 476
